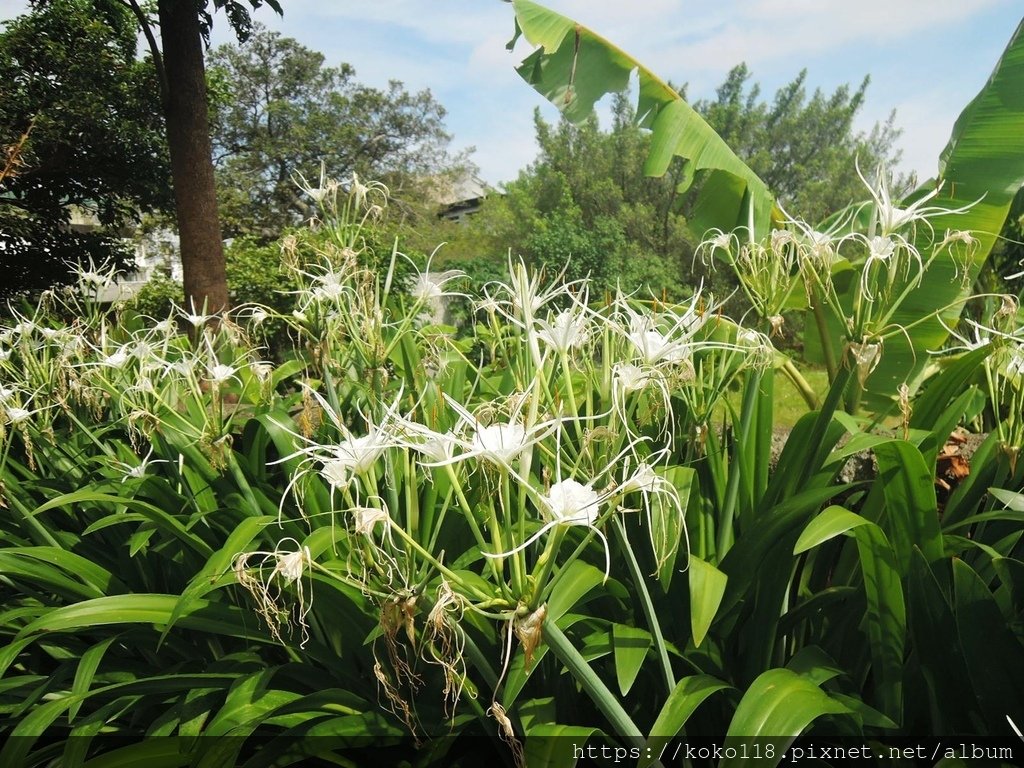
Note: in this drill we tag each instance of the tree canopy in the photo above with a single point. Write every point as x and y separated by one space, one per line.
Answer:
279 110
803 147
80 128
586 195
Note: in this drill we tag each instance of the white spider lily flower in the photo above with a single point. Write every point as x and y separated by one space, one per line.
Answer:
782 239
7 393
572 503
144 384
643 479
569 330
526 294
182 367
220 374
866 357
16 415
654 347
288 568
880 248
362 194
567 503
431 286
1015 365
166 327
292 565
25 329
893 253
5 354
822 246
718 244
336 473
329 286
981 337
71 344
888 218
323 192
367 519
722 241
524 290
143 351
262 370
194 318
760 348
978 341
94 280
488 304
117 359
437 447
498 444
651 486
130 472
630 378
351 457
657 345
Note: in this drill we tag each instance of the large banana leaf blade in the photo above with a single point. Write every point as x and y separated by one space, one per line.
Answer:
573 68
982 167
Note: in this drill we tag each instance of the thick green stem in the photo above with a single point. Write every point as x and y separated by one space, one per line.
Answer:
828 351
648 608
450 575
243 485
542 569
598 692
474 527
725 531
825 415
801 384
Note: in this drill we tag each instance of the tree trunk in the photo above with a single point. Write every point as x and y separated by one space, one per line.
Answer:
188 138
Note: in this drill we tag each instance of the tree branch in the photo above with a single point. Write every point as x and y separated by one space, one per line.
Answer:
154 49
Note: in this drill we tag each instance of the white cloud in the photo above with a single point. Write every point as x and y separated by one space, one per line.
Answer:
508 149
11 8
765 31
441 22
457 48
927 122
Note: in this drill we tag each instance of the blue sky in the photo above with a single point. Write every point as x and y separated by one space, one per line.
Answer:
926 58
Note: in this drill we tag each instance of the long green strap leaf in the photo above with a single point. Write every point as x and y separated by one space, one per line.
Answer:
779 705
983 162
574 67
689 693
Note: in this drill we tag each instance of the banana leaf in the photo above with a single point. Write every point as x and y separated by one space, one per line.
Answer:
573 68
982 168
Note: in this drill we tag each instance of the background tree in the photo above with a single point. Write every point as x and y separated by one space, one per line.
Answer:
280 110
184 24
803 148
184 28
586 195
79 120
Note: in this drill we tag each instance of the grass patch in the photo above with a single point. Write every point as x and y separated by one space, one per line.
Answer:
789 404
